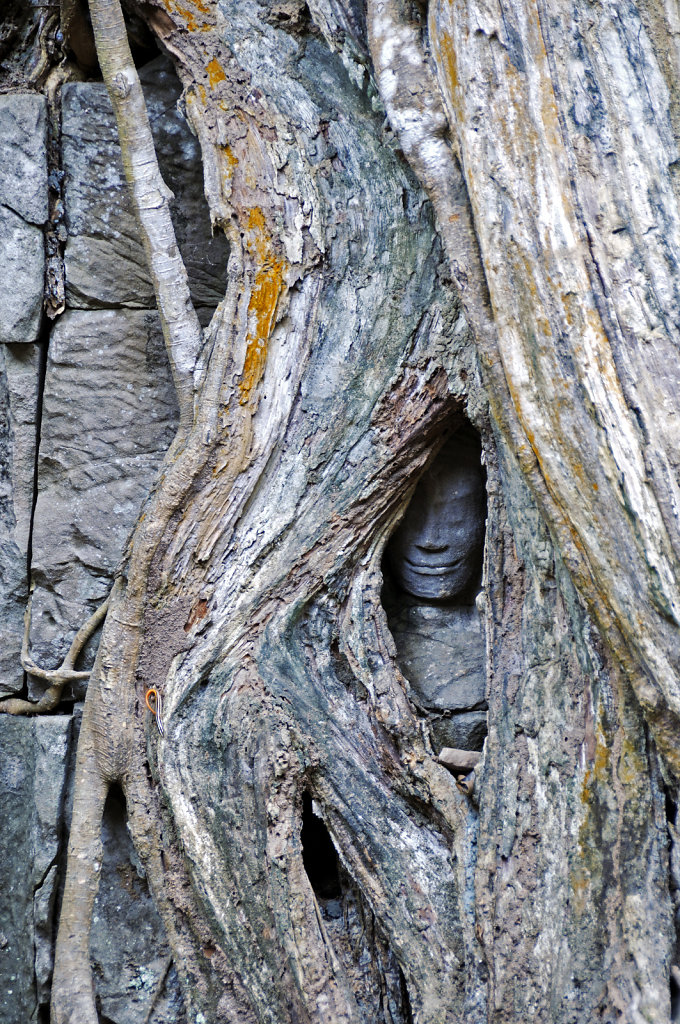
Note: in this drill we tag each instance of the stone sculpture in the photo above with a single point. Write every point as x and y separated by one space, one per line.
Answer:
436 552
434 563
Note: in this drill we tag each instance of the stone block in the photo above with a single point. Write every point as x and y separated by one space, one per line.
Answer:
463 731
23 160
33 759
19 386
104 259
23 211
109 413
23 275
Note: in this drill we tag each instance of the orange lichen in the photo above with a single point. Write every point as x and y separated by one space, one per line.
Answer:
189 17
215 73
228 163
580 883
267 287
449 67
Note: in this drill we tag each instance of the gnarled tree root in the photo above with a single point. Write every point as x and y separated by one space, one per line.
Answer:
56 677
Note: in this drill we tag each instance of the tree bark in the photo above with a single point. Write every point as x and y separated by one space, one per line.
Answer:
250 594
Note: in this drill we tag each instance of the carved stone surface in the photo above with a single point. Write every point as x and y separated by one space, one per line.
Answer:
33 758
23 211
19 383
435 561
107 422
105 261
436 551
441 651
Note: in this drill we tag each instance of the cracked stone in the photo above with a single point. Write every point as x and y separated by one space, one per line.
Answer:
109 413
33 758
23 211
19 386
104 259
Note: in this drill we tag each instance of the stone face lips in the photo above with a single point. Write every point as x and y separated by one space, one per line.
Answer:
105 261
23 211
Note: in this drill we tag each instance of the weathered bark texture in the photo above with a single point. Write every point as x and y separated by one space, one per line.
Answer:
353 339
560 118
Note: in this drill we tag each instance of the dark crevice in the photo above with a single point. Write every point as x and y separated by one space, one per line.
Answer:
671 809
405 1001
41 344
318 854
144 45
43 341
55 229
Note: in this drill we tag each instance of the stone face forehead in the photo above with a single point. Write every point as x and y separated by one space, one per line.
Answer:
452 477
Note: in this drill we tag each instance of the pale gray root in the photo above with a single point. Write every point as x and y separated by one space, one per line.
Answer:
151 199
72 986
56 677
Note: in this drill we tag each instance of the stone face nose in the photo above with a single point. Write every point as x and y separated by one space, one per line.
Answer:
431 546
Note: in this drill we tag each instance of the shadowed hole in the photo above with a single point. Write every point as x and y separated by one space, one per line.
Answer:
405 1001
675 997
318 854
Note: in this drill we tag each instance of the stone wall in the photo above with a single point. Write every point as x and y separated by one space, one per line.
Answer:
87 409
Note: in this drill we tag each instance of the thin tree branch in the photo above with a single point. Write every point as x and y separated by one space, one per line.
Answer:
416 113
150 198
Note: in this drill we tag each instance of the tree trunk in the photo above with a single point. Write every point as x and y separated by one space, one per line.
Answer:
250 594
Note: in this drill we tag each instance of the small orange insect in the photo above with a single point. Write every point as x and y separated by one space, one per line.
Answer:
154 703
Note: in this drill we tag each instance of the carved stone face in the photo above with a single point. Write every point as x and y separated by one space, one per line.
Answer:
436 551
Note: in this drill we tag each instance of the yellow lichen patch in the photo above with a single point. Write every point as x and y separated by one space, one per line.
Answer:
229 156
215 73
448 52
448 67
189 17
588 863
228 162
267 287
632 765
